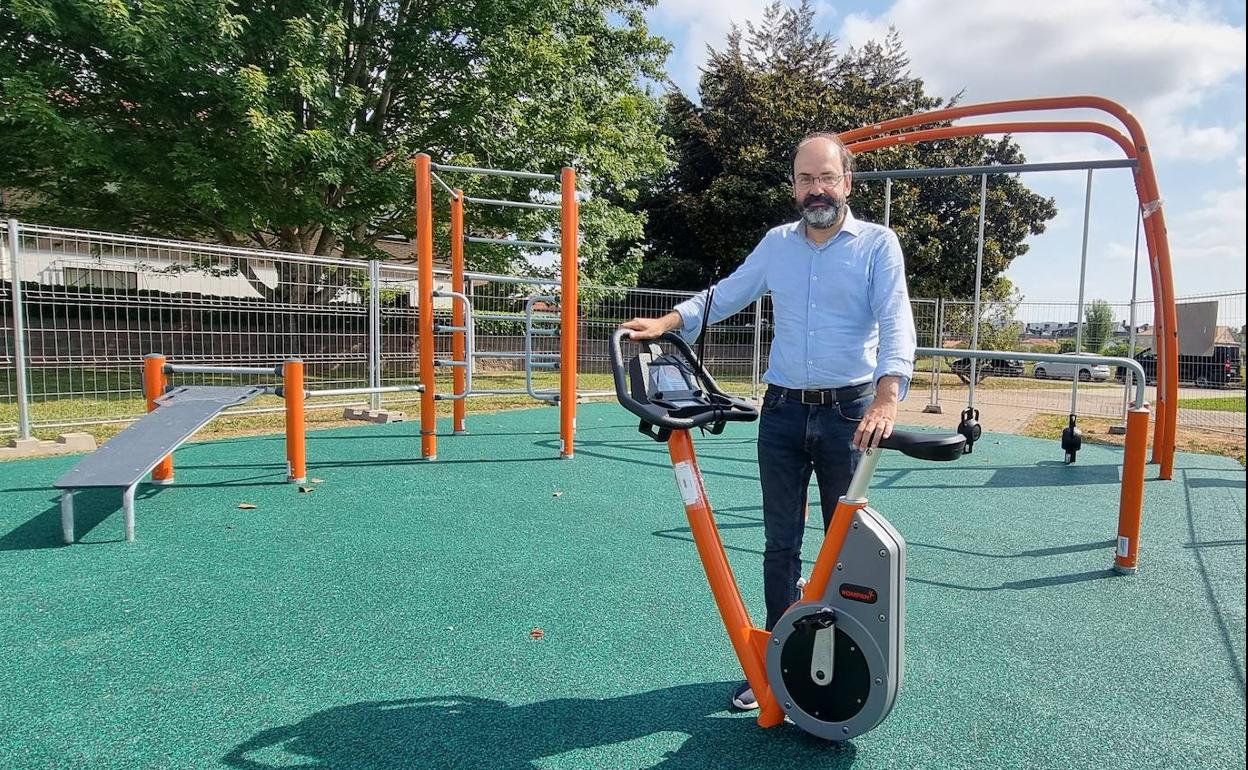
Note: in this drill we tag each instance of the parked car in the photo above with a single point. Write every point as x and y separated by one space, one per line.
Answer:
1065 370
1001 367
1221 369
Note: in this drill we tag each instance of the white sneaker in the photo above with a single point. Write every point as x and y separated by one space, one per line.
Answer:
743 698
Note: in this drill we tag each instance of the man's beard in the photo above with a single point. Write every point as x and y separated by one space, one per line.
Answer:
821 217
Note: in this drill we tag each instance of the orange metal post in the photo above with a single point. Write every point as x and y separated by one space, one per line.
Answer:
719 575
296 428
424 259
1131 503
459 346
825 564
154 385
568 312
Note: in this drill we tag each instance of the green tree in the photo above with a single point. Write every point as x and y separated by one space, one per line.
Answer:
999 328
1098 325
774 83
289 125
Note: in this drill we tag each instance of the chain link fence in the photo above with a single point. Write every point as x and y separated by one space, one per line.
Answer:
93 304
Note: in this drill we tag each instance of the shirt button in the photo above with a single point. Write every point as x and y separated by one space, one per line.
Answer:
814 278
812 304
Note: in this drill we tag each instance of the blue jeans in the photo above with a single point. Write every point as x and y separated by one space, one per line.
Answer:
795 439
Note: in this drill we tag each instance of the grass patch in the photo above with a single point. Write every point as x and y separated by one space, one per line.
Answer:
1096 431
1216 404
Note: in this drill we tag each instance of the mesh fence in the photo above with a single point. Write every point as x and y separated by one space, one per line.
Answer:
95 303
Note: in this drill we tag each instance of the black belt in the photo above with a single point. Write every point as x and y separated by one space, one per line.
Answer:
829 396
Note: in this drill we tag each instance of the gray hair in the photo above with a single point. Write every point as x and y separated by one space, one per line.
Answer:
847 157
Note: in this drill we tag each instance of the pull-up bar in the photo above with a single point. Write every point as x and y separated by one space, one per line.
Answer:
515 204
1014 168
494 172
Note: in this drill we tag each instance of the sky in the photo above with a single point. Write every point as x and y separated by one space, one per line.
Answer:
1177 66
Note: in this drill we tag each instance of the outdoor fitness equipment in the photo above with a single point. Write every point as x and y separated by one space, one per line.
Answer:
833 664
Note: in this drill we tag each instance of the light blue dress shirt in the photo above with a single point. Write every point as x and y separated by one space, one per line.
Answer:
842 310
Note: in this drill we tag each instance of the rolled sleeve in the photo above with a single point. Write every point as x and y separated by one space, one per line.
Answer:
890 302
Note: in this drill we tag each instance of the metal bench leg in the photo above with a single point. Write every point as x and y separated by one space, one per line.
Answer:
127 509
67 516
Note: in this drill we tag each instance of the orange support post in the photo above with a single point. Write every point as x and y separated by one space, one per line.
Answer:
424 259
154 385
459 345
296 427
568 312
1131 502
817 586
741 630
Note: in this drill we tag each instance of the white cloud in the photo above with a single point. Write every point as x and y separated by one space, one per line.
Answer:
1212 236
1158 60
695 24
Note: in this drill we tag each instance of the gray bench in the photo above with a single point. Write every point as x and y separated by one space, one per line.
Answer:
130 455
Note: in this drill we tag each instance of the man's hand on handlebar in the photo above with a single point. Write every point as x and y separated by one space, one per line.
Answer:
652 328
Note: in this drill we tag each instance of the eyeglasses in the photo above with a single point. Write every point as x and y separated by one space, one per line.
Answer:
824 180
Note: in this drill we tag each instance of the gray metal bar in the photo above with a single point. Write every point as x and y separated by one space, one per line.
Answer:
543 364
1131 364
513 242
979 277
67 516
859 484
445 186
1083 272
127 510
205 369
448 362
494 172
529 364
469 345
510 279
514 204
374 332
1016 168
888 199
363 391
444 328
1135 275
19 333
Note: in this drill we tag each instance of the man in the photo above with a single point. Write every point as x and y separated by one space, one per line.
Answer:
841 360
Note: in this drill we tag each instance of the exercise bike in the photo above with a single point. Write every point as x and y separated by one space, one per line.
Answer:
833 663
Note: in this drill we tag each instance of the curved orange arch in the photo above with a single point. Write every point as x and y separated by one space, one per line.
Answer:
978 129
1147 191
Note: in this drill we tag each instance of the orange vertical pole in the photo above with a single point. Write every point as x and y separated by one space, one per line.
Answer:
1159 420
825 564
154 385
296 423
568 245
719 574
1131 502
459 346
424 259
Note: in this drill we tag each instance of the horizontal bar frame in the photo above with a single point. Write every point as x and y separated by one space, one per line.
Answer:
1016 168
514 204
494 172
512 242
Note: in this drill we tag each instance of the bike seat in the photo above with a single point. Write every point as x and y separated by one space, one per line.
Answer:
926 446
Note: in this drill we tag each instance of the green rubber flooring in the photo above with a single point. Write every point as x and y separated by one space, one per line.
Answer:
388 618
